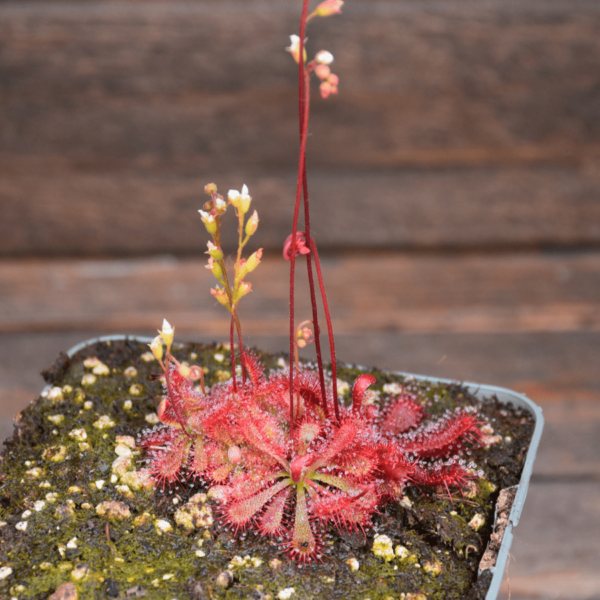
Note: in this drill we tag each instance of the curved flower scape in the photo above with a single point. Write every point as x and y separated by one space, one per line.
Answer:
293 485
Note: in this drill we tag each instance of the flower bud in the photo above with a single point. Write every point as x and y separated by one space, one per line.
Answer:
253 261
322 72
214 251
220 205
209 222
156 346
215 268
184 370
240 201
325 89
329 7
210 189
241 290
221 296
294 48
167 334
252 224
324 58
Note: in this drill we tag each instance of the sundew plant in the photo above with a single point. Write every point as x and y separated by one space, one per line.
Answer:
279 451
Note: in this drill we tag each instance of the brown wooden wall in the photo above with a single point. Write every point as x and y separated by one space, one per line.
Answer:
459 124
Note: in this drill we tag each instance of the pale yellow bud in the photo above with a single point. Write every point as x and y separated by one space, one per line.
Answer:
253 261
215 268
209 222
210 189
167 333
221 296
156 347
241 290
184 370
214 251
252 224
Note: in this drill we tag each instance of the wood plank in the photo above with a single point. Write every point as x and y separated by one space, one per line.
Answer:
150 212
556 550
375 292
451 82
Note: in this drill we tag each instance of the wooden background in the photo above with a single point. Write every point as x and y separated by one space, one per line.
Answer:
456 201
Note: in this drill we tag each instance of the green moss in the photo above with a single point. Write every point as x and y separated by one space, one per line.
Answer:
54 471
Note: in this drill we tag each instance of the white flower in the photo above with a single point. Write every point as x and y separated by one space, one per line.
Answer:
21 526
240 201
5 572
294 47
324 57
166 327
38 505
286 593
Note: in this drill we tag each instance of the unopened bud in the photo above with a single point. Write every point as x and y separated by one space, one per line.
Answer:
325 89
184 370
156 346
253 261
215 268
252 224
220 205
324 57
322 72
167 333
221 296
214 251
210 189
329 7
241 290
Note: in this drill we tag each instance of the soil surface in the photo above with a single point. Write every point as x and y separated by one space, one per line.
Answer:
73 523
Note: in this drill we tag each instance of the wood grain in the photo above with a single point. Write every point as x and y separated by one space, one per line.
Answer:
378 292
485 116
556 549
47 208
178 80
